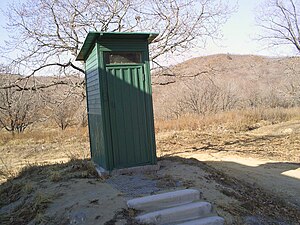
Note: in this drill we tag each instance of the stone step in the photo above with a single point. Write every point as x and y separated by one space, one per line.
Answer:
213 220
164 200
177 214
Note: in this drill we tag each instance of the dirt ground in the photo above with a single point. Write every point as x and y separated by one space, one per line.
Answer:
249 177
268 156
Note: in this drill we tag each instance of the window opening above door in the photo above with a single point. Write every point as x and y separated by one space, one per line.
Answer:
123 57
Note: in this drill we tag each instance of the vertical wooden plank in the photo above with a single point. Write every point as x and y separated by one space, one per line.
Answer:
143 121
111 86
136 116
127 100
120 104
130 108
94 109
150 105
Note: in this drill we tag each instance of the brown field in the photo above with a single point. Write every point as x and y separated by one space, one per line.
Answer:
245 162
227 125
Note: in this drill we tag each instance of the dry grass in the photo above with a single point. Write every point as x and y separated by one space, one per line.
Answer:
44 135
28 199
234 133
41 147
238 120
47 146
186 134
32 207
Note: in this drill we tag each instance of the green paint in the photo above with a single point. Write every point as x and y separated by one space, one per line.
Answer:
119 100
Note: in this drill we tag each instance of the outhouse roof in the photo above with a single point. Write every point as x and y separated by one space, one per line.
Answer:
92 37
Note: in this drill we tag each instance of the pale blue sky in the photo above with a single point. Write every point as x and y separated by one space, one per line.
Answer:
3 33
239 28
238 32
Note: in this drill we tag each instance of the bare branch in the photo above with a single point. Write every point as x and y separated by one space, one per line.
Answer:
279 22
164 83
51 33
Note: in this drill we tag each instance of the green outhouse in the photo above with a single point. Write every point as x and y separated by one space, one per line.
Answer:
119 99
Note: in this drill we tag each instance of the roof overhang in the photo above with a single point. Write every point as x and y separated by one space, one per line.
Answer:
92 37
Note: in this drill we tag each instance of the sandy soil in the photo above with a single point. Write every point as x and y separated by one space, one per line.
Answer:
250 178
280 178
84 202
76 196
268 157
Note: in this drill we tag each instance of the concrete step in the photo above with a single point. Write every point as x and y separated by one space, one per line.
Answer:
213 220
164 200
177 214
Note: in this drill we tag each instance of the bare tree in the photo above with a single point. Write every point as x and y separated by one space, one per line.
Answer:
204 96
49 33
18 109
64 115
279 20
65 105
82 115
46 35
290 89
228 99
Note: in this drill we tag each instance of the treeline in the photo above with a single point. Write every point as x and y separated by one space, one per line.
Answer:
62 105
203 86
220 83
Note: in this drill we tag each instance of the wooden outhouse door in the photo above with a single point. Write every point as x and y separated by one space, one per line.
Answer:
127 99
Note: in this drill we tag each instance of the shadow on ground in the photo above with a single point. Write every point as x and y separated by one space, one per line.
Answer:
27 198
72 193
257 204
230 146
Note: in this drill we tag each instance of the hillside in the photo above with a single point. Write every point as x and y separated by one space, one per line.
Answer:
245 77
235 66
202 85
245 162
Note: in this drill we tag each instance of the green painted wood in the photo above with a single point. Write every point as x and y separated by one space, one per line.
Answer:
93 37
128 116
95 118
119 98
149 107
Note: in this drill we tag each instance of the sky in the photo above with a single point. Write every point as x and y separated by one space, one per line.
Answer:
3 21
238 31
238 34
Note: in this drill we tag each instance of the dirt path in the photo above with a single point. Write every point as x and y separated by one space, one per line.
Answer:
268 157
250 178
280 178
285 128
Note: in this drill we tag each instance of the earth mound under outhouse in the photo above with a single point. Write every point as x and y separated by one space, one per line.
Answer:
119 99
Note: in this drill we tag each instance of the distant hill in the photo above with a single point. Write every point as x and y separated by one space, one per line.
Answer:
245 75
231 67
202 84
